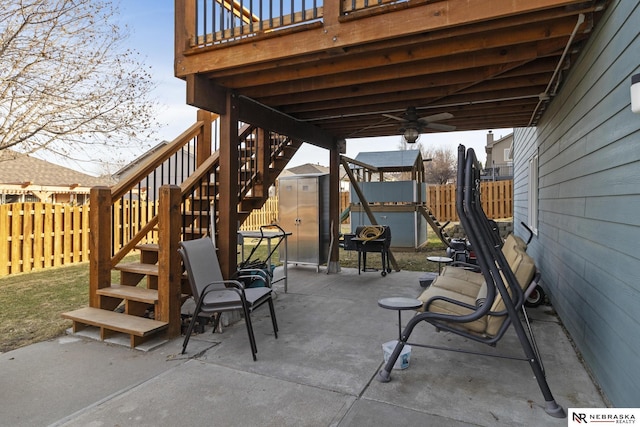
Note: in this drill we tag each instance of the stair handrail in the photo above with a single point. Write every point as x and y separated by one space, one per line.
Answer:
154 161
201 171
143 170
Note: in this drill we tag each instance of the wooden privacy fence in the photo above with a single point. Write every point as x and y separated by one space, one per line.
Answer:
40 235
34 236
496 197
267 215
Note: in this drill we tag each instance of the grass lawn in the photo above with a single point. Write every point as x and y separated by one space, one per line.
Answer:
31 303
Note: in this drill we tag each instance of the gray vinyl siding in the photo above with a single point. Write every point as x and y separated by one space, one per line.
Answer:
588 241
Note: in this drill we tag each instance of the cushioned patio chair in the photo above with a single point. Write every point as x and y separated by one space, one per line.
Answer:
215 295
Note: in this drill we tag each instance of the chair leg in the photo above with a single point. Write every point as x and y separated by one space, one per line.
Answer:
252 338
216 322
194 318
273 318
188 334
384 376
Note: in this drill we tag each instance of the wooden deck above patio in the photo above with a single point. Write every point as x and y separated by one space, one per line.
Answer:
329 70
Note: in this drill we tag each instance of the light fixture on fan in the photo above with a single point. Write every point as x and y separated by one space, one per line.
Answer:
411 134
413 124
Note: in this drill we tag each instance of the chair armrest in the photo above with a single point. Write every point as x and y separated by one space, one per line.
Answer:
450 300
253 274
229 284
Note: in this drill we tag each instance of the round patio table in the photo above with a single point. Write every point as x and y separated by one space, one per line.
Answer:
440 260
400 303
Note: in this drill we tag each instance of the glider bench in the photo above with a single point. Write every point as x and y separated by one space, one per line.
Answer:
459 291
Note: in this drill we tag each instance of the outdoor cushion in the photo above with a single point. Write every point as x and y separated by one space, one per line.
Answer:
445 307
470 288
454 284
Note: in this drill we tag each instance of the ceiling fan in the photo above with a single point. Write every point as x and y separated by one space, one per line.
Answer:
413 125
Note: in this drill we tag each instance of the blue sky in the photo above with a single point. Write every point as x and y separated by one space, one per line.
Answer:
151 23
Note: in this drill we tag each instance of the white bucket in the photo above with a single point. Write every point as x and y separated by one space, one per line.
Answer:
403 360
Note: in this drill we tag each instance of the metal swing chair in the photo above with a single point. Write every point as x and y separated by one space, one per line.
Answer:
481 311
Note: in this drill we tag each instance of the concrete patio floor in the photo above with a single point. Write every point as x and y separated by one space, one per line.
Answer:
319 372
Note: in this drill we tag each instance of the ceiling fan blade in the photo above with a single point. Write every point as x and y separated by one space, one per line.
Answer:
436 117
440 126
394 117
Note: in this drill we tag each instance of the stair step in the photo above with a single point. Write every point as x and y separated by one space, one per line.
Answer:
138 268
149 247
133 293
108 321
194 231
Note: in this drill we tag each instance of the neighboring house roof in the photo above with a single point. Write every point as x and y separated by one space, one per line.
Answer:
143 157
21 169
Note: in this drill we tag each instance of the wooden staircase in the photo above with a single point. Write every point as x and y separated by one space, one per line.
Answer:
146 301
126 307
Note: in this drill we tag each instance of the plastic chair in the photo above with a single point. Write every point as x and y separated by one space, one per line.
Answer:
213 294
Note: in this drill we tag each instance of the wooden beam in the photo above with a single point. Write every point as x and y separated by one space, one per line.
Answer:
540 19
402 91
169 265
346 79
227 240
99 243
406 54
341 35
205 94
271 119
333 264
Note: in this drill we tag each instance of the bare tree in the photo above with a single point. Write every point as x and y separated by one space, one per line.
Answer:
442 167
67 83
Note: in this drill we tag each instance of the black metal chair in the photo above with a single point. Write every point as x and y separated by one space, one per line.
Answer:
215 295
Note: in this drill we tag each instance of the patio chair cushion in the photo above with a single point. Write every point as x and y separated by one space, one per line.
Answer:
445 307
470 288
510 249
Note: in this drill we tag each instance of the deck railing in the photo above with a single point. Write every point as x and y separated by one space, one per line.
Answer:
350 6
215 22
219 21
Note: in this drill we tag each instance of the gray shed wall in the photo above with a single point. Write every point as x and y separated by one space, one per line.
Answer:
588 242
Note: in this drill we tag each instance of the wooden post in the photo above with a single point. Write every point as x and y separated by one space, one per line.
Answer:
184 30
227 241
169 271
263 154
99 242
334 208
203 140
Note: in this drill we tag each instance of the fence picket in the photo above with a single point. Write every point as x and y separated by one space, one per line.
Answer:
496 197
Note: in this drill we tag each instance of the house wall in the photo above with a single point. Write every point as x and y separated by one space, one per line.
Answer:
497 152
587 245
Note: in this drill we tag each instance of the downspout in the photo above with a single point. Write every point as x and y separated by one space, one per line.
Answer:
546 96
